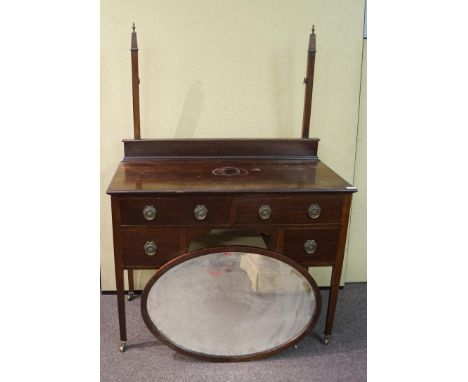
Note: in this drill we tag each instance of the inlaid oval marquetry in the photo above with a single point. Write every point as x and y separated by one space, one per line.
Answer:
231 303
229 171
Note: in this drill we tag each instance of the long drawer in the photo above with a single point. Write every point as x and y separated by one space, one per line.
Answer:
311 246
307 209
195 211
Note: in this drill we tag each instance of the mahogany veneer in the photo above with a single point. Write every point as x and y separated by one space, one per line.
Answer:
277 187
175 186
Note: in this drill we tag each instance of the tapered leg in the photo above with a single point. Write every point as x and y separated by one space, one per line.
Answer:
332 300
131 291
119 273
336 269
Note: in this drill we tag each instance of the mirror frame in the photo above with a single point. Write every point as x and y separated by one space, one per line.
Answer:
234 248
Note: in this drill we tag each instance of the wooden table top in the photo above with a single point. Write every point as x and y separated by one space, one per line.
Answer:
200 176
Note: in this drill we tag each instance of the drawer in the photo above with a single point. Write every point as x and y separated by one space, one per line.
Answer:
175 211
164 243
290 210
321 244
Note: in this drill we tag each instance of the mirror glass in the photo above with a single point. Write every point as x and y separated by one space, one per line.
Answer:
230 304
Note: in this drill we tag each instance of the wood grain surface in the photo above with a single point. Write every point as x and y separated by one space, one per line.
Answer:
194 176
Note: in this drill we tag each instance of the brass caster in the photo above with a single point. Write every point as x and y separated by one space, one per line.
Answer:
130 296
326 339
123 347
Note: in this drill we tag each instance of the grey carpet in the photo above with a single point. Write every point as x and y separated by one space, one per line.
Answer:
146 359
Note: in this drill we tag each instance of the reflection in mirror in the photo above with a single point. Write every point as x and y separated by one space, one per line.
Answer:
231 304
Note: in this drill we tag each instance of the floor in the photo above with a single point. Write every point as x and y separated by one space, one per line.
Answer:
146 359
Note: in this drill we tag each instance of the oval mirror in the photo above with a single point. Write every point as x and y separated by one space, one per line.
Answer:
231 303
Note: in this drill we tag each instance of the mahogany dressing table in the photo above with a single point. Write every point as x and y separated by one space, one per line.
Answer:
167 192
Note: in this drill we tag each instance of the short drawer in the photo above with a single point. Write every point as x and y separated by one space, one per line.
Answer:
289 210
311 246
175 211
149 246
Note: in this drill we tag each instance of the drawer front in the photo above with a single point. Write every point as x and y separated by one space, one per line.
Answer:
311 246
289 210
163 243
175 211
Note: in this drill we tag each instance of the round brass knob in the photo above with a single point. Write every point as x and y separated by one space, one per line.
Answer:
151 248
149 212
314 211
264 212
200 212
310 246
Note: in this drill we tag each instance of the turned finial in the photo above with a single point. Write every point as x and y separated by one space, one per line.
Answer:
312 40
134 45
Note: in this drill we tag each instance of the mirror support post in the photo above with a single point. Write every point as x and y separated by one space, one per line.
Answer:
135 86
309 84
